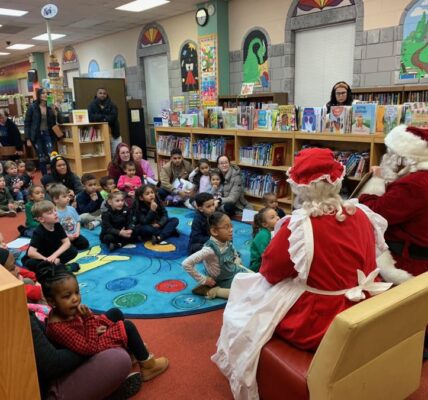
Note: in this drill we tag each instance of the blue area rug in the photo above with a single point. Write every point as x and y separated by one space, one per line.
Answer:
147 281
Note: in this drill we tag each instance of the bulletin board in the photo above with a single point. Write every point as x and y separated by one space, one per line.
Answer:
85 89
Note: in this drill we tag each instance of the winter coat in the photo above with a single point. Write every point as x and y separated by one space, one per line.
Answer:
112 221
233 188
13 137
33 119
108 113
143 215
169 173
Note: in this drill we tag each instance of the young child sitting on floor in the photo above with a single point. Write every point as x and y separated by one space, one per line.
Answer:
129 182
73 325
8 206
151 217
220 259
270 200
68 217
14 182
49 241
263 225
89 202
216 180
199 233
116 222
107 185
200 176
33 290
36 193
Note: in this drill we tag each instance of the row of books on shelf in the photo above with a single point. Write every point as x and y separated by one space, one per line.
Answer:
263 154
97 150
166 143
365 118
213 148
87 134
256 184
380 98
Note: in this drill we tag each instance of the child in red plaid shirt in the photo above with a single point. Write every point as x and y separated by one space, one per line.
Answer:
73 325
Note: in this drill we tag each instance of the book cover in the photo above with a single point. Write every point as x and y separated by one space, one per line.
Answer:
391 118
213 119
287 118
278 154
380 113
174 118
178 103
80 116
337 119
263 118
230 118
364 118
309 120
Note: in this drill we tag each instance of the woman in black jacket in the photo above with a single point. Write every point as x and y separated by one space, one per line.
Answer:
9 133
150 216
38 124
61 173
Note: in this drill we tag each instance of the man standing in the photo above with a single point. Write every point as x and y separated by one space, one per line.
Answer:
399 192
102 109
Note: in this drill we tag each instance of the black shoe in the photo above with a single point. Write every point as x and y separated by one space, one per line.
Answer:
129 388
73 267
155 240
21 230
175 233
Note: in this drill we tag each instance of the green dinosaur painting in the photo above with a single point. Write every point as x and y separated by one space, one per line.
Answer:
414 48
256 67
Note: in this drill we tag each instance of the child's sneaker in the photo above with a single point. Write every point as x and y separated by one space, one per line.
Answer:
93 224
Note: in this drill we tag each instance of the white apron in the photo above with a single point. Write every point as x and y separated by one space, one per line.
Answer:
255 307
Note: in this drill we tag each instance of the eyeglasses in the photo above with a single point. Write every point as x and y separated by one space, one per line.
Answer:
341 93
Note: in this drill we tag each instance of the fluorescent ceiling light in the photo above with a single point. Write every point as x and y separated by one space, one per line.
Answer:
142 5
54 36
12 13
19 46
3 53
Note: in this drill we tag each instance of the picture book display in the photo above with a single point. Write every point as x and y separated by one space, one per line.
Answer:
364 118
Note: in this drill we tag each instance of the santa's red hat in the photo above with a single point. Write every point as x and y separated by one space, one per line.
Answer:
409 142
314 165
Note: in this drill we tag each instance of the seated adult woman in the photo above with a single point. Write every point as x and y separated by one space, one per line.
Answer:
121 156
341 95
9 133
233 199
65 375
61 173
320 262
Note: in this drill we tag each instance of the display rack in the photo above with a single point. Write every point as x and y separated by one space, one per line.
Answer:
292 141
86 147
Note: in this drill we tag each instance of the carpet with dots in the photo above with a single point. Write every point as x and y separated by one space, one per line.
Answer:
147 281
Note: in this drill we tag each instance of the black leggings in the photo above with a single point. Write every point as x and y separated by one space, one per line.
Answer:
135 343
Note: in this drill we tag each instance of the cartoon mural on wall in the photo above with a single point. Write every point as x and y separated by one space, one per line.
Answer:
256 65
311 6
151 36
414 48
189 68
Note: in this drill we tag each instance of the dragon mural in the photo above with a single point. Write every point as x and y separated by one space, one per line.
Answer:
256 67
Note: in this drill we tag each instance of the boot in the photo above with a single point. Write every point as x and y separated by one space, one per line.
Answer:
153 367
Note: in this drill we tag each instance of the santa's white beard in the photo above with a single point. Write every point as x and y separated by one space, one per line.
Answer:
394 166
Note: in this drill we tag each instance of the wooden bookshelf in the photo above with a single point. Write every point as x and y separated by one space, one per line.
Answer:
258 97
86 154
374 144
392 94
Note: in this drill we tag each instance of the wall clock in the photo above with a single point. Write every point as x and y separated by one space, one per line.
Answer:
201 16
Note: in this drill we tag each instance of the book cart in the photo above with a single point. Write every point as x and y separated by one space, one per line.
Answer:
86 147
286 143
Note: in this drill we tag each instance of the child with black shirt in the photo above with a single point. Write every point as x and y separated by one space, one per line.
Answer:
116 222
49 242
89 202
151 217
270 200
199 233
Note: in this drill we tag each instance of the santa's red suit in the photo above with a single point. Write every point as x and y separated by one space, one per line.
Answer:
314 268
403 202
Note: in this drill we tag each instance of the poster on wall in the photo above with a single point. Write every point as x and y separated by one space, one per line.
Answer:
256 59
414 47
69 55
310 6
189 68
208 67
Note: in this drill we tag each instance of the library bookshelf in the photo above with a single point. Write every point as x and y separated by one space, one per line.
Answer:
257 98
292 142
86 147
398 94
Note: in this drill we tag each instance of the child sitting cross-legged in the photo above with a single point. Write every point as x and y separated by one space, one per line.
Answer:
71 324
199 234
220 259
263 225
89 202
151 217
49 242
116 222
129 182
68 217
36 193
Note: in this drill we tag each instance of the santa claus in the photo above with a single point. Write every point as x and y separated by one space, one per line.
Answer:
321 260
399 192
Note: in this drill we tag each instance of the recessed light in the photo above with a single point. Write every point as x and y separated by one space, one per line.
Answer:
12 13
142 5
19 46
3 53
54 36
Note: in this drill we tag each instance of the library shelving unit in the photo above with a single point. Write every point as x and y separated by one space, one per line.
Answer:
291 142
86 147
392 94
260 97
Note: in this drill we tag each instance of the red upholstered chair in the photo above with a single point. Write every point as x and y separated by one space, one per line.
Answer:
371 351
